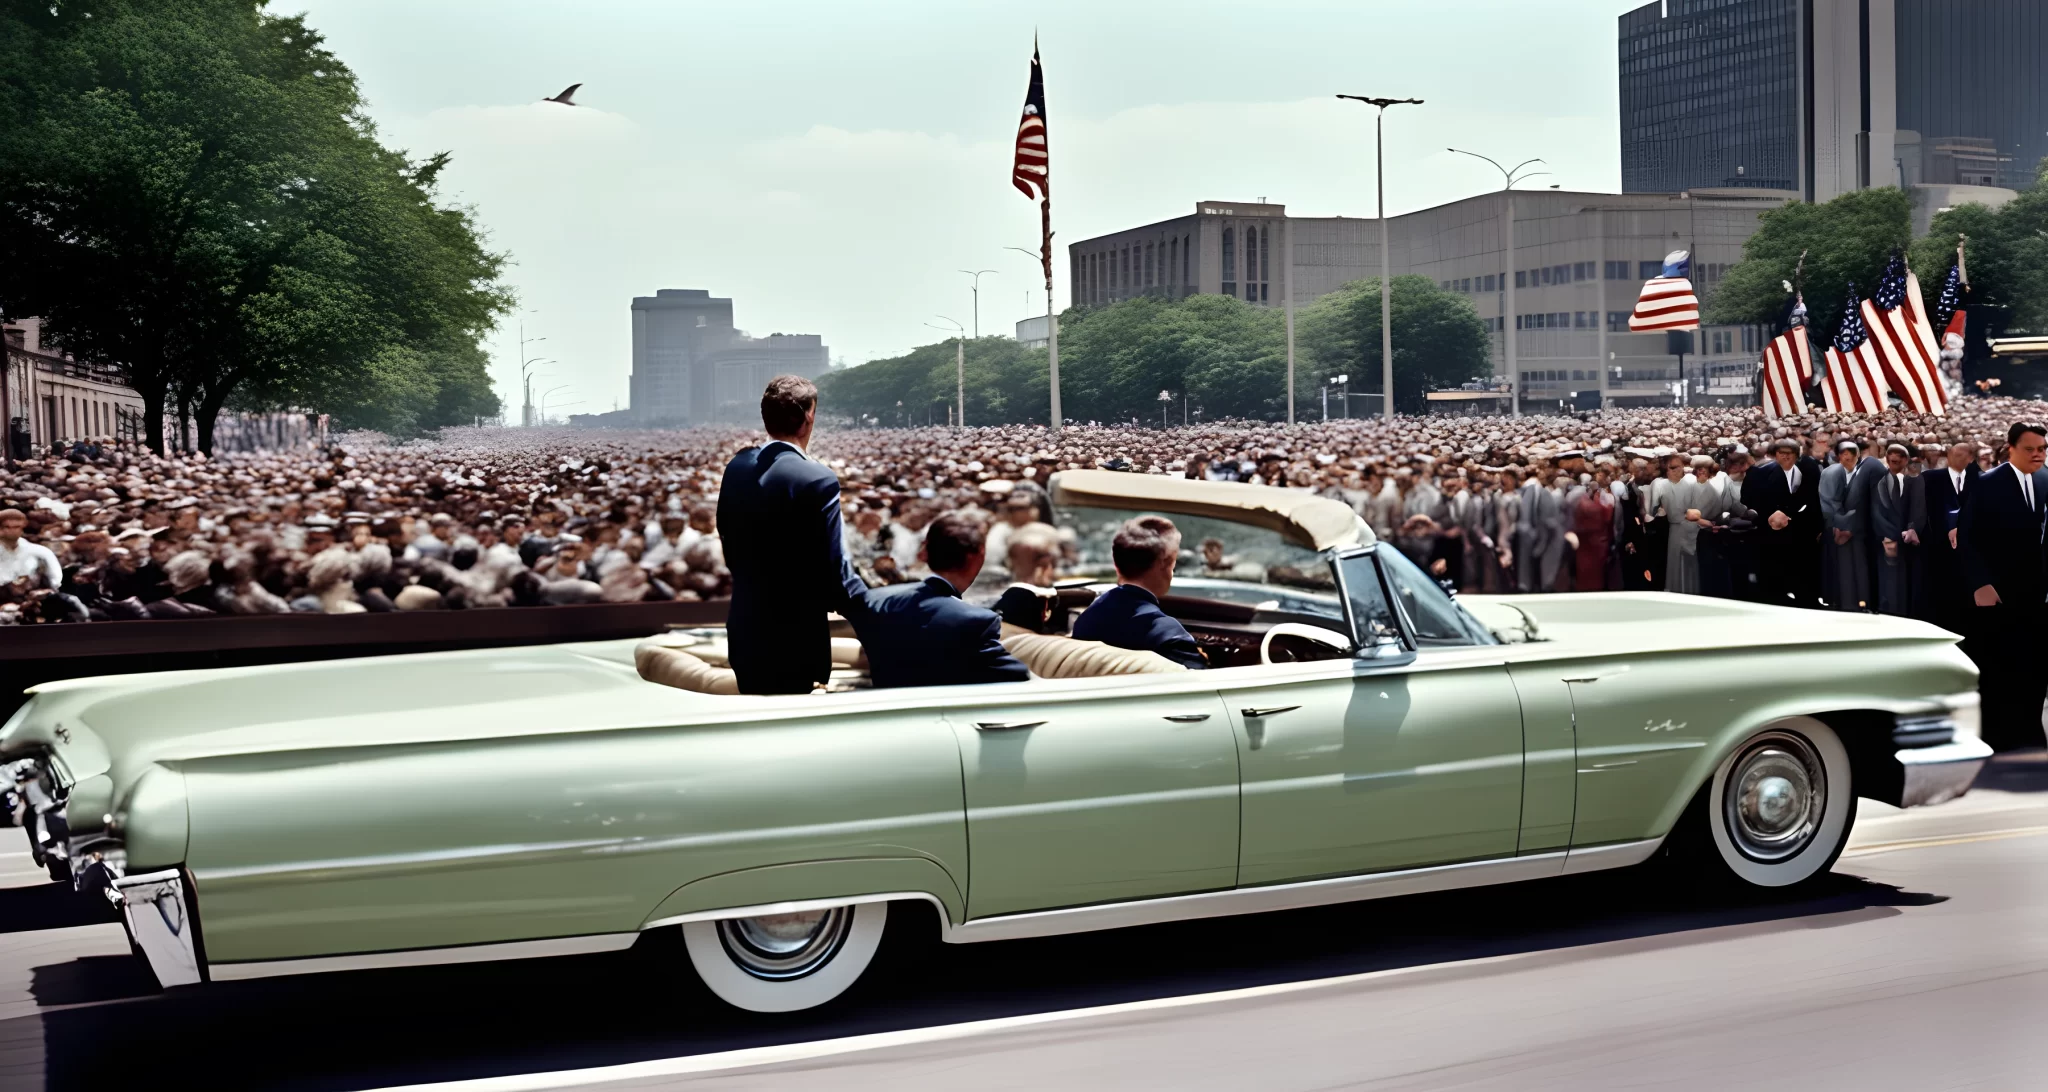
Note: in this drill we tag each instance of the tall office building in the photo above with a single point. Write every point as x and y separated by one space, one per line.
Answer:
690 366
1830 96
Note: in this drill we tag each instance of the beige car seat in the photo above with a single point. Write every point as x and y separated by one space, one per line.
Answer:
1050 656
694 662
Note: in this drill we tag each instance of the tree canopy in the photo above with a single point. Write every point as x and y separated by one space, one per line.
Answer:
189 190
1225 357
1850 238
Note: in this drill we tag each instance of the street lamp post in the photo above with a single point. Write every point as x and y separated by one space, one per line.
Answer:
1386 261
1165 400
1052 344
525 382
976 274
544 401
959 370
1508 318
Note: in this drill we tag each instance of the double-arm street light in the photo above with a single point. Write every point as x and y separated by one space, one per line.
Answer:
1386 263
544 401
976 274
959 369
1509 176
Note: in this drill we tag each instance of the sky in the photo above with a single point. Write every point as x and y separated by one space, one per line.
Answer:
832 165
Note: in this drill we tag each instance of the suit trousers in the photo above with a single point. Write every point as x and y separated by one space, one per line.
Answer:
2011 679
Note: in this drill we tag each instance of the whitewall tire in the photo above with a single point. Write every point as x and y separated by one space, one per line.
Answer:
786 962
1781 804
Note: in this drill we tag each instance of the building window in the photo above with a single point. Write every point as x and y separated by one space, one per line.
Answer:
1617 271
1492 283
1646 270
1265 260
1617 322
1187 258
1172 257
1521 279
1229 262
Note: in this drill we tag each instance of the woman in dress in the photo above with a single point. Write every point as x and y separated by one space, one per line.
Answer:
1687 505
1593 523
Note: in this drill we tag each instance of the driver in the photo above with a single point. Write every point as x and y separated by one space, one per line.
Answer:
1128 615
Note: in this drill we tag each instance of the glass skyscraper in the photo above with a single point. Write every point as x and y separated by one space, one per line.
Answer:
1974 72
1710 95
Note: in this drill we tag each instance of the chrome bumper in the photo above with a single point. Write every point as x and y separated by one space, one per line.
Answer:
1936 775
160 922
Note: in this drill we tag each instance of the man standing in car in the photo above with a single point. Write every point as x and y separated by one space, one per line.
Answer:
778 511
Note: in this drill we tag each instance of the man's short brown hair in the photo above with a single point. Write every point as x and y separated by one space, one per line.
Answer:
785 403
1144 544
951 540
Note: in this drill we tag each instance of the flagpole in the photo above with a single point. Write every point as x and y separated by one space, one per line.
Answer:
1052 324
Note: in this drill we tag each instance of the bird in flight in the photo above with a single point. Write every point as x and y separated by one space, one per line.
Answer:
567 97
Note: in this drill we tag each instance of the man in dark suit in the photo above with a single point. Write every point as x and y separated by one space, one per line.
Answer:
1893 502
1942 491
778 511
1785 495
924 634
1642 532
1146 550
1999 540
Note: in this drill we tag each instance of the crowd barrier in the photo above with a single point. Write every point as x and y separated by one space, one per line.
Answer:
37 654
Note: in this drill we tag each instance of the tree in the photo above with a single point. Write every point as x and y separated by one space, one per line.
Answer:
188 189
1006 384
1439 340
1226 355
1848 239
2008 258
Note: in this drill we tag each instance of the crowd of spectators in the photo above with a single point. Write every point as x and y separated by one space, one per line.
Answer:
524 517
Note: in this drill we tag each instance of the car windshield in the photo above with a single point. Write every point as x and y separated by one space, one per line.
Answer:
1219 560
1437 621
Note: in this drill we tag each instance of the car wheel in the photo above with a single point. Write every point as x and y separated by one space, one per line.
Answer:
786 962
1781 805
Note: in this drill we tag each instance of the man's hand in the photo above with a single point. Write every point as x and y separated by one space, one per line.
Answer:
1507 557
1439 567
1841 537
1628 547
1692 515
1891 548
1951 538
1571 539
1987 596
1779 521
1910 537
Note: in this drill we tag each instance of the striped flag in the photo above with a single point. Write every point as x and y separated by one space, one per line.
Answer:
1903 341
1788 368
1953 318
1668 302
1031 171
1855 379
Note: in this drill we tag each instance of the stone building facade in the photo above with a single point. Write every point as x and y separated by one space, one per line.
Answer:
691 366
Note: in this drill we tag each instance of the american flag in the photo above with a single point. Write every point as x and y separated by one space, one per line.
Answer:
1953 318
1902 340
1951 299
1855 379
1788 368
1668 302
1031 173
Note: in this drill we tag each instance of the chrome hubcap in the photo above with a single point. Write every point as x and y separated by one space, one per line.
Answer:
1775 797
784 946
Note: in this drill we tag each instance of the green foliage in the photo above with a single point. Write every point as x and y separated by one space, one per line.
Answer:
1848 239
188 188
1006 383
1439 339
1226 357
2008 257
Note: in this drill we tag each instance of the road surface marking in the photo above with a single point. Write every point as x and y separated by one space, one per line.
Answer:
853 1044
1950 840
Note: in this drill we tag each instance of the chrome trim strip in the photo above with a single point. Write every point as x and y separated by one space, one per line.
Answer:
424 957
1257 900
798 907
1619 855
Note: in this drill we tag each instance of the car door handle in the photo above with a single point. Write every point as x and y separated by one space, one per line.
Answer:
1186 718
1267 711
1005 725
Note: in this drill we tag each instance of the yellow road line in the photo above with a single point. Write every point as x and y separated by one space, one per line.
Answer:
1951 840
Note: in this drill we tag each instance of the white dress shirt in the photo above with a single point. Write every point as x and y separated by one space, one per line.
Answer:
33 561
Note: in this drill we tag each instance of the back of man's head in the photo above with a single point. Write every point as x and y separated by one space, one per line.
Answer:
1143 544
951 540
786 404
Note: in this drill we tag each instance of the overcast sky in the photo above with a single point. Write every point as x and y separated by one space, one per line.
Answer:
830 164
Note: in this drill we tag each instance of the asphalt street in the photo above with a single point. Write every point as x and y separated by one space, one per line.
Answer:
1922 963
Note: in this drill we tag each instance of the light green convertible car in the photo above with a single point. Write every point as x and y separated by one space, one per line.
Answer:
1360 735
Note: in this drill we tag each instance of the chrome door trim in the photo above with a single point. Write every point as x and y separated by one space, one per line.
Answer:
1259 712
1618 855
1187 718
1293 896
424 957
1006 725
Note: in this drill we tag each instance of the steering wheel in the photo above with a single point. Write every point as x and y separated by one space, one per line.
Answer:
1315 638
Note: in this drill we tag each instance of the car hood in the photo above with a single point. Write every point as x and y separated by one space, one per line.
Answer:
1569 624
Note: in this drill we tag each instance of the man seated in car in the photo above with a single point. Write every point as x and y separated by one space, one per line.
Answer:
1031 601
1145 551
924 634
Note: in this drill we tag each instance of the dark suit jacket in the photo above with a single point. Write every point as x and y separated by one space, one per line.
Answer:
778 514
1999 537
924 634
1940 504
1764 490
1127 616
1035 609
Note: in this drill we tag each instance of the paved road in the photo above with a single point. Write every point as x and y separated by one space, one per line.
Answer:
1922 964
